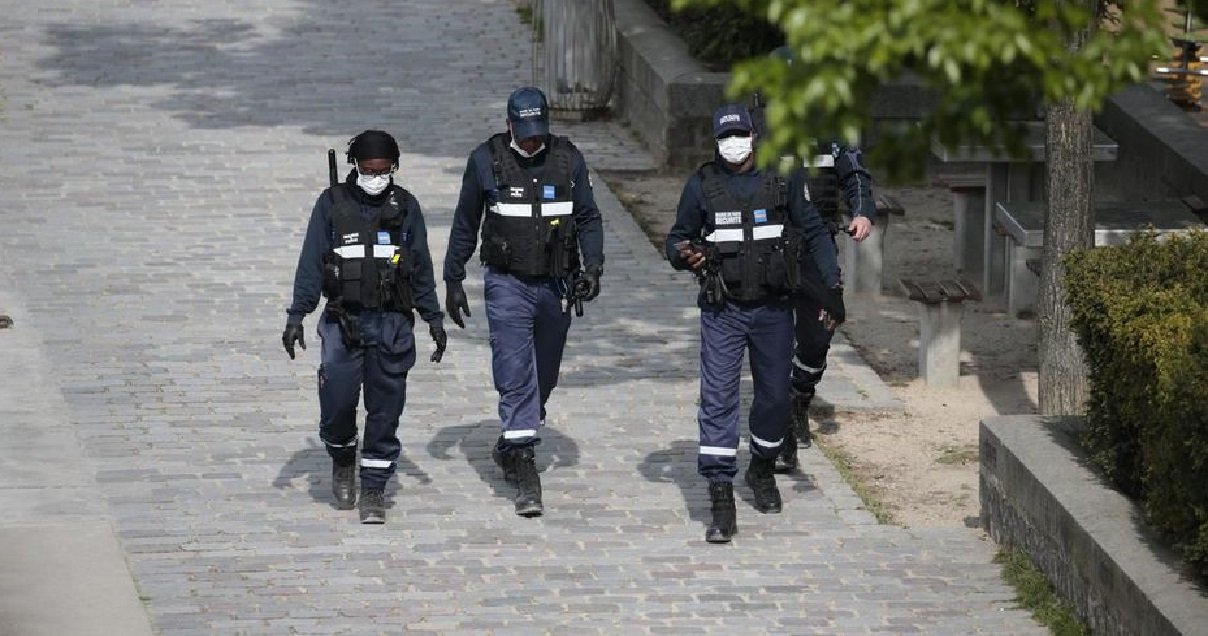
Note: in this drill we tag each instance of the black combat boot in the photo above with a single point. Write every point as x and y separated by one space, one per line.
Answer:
343 483
528 482
504 461
801 418
373 506
762 480
786 461
725 517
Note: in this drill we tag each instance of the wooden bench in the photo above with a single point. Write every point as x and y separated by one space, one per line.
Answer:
864 262
940 303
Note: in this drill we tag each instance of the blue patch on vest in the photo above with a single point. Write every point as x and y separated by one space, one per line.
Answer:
761 216
383 238
549 192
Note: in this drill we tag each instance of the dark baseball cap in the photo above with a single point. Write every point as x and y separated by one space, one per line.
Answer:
731 117
529 113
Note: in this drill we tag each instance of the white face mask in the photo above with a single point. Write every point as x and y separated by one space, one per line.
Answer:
735 149
373 185
526 155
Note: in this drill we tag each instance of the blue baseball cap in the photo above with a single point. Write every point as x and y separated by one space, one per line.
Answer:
731 117
528 112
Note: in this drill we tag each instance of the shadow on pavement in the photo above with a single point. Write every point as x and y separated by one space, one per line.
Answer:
313 464
475 442
677 465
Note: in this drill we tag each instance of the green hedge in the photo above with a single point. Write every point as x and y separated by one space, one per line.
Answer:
720 36
1141 314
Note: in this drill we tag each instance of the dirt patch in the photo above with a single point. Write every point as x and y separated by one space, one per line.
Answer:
920 463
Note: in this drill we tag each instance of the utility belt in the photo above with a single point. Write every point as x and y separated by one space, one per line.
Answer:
349 323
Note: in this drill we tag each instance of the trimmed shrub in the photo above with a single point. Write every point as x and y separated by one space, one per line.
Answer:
1141 314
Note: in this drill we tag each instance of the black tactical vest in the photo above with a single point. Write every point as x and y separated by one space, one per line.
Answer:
754 248
529 226
368 267
823 184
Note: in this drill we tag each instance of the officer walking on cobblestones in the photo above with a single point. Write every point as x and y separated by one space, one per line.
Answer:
529 191
747 234
366 251
835 170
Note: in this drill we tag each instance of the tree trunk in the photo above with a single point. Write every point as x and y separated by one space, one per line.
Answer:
1069 225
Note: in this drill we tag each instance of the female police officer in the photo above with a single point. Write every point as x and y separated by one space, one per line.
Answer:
746 235
366 250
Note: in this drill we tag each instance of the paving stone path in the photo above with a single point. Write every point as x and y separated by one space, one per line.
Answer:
159 160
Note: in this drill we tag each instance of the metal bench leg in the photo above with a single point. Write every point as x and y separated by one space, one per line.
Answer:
940 343
863 262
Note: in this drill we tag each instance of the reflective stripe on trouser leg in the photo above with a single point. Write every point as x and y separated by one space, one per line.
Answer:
386 367
723 338
812 342
340 372
550 326
511 308
769 340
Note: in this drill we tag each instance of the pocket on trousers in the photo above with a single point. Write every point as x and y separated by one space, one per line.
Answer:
397 346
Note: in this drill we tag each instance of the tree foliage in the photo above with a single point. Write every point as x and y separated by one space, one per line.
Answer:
987 61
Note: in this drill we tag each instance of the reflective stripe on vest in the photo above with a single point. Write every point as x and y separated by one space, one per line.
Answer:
555 208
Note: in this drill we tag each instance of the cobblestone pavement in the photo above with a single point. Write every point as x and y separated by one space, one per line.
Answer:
159 162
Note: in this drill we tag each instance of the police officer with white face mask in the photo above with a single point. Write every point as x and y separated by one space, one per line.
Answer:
542 237
366 251
747 234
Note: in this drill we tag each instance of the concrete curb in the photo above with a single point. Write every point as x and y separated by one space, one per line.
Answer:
1038 494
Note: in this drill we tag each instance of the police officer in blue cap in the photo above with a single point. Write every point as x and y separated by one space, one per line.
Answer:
542 250
366 250
747 234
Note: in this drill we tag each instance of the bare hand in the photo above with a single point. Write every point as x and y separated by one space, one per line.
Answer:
859 228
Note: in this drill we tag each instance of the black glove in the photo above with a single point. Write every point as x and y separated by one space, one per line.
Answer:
592 276
834 305
293 333
437 331
456 302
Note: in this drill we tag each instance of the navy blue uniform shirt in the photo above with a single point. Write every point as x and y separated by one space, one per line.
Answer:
854 182
308 279
478 189
691 213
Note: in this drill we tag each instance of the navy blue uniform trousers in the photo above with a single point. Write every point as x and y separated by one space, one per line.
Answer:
726 333
380 364
813 341
528 334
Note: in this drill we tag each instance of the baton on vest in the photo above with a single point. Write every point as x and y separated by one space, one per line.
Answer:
331 168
